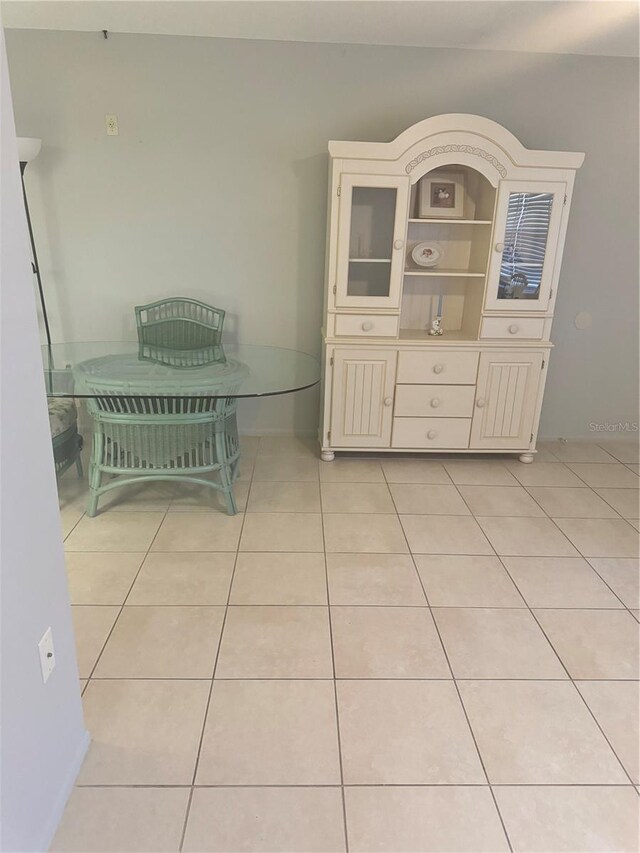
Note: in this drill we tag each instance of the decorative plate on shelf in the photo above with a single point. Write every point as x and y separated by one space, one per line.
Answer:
428 254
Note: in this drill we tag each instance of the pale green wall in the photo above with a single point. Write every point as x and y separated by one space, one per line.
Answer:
216 185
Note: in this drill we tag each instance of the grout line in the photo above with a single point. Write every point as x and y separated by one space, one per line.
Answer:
335 688
457 689
213 673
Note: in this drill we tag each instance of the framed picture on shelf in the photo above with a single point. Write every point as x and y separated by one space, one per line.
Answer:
440 195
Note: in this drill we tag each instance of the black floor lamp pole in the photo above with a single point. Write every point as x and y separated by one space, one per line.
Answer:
35 265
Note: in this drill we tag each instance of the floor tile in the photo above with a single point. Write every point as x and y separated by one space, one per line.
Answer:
115 531
282 531
624 501
479 473
565 820
285 469
363 533
373 579
418 498
266 819
194 498
279 578
594 643
524 537
405 732
69 518
100 577
559 582
616 707
537 732
102 820
356 497
601 537
270 733
344 470
191 577
415 470
139 497
624 450
578 451
416 819
162 642
444 534
143 732
276 642
250 445
495 643
91 626
198 531
607 476
622 575
454 580
559 502
289 445
500 500
284 497
544 474
386 642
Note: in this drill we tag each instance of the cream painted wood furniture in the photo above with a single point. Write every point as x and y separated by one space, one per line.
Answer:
389 385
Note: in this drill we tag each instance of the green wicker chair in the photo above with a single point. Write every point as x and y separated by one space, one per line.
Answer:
66 440
142 437
179 332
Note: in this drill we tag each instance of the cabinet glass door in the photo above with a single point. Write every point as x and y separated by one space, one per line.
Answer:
371 229
526 232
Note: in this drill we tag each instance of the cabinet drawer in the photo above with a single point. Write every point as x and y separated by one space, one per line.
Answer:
513 327
449 433
434 401
446 367
367 325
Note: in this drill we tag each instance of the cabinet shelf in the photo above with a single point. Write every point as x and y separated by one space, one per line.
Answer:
455 221
442 272
369 260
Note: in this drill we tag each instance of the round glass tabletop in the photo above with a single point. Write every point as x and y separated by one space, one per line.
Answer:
97 368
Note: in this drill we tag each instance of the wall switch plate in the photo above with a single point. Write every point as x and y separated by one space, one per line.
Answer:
47 655
111 122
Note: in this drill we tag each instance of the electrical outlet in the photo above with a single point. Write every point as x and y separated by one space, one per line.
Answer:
111 122
47 655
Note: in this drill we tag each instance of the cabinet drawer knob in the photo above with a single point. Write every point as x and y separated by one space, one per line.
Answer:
367 326
398 244
432 433
514 328
435 402
481 402
388 401
499 247
438 368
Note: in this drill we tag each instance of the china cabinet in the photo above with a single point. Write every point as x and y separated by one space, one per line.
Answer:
443 258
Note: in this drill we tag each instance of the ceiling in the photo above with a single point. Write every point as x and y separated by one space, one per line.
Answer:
595 27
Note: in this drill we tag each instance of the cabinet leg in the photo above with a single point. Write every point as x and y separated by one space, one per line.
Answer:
327 455
526 457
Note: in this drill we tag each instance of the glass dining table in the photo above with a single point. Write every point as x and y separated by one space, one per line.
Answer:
167 413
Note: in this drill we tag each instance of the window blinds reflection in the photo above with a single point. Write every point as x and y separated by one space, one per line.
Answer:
526 233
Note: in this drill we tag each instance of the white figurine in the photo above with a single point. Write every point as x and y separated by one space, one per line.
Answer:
436 326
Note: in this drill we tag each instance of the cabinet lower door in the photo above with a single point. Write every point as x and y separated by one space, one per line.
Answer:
362 399
506 399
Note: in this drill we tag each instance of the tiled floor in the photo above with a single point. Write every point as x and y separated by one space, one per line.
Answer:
380 654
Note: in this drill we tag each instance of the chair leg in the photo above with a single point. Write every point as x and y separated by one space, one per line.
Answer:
79 467
94 476
226 477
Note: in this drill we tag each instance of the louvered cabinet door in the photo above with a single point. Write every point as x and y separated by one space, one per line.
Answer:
362 399
525 251
506 400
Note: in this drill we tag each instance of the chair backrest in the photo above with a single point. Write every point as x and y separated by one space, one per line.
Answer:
171 331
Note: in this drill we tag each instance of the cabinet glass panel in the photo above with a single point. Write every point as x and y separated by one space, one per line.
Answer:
525 244
373 211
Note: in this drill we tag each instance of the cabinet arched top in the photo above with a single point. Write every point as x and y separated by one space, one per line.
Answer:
462 138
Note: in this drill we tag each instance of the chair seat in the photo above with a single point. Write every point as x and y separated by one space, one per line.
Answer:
62 415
